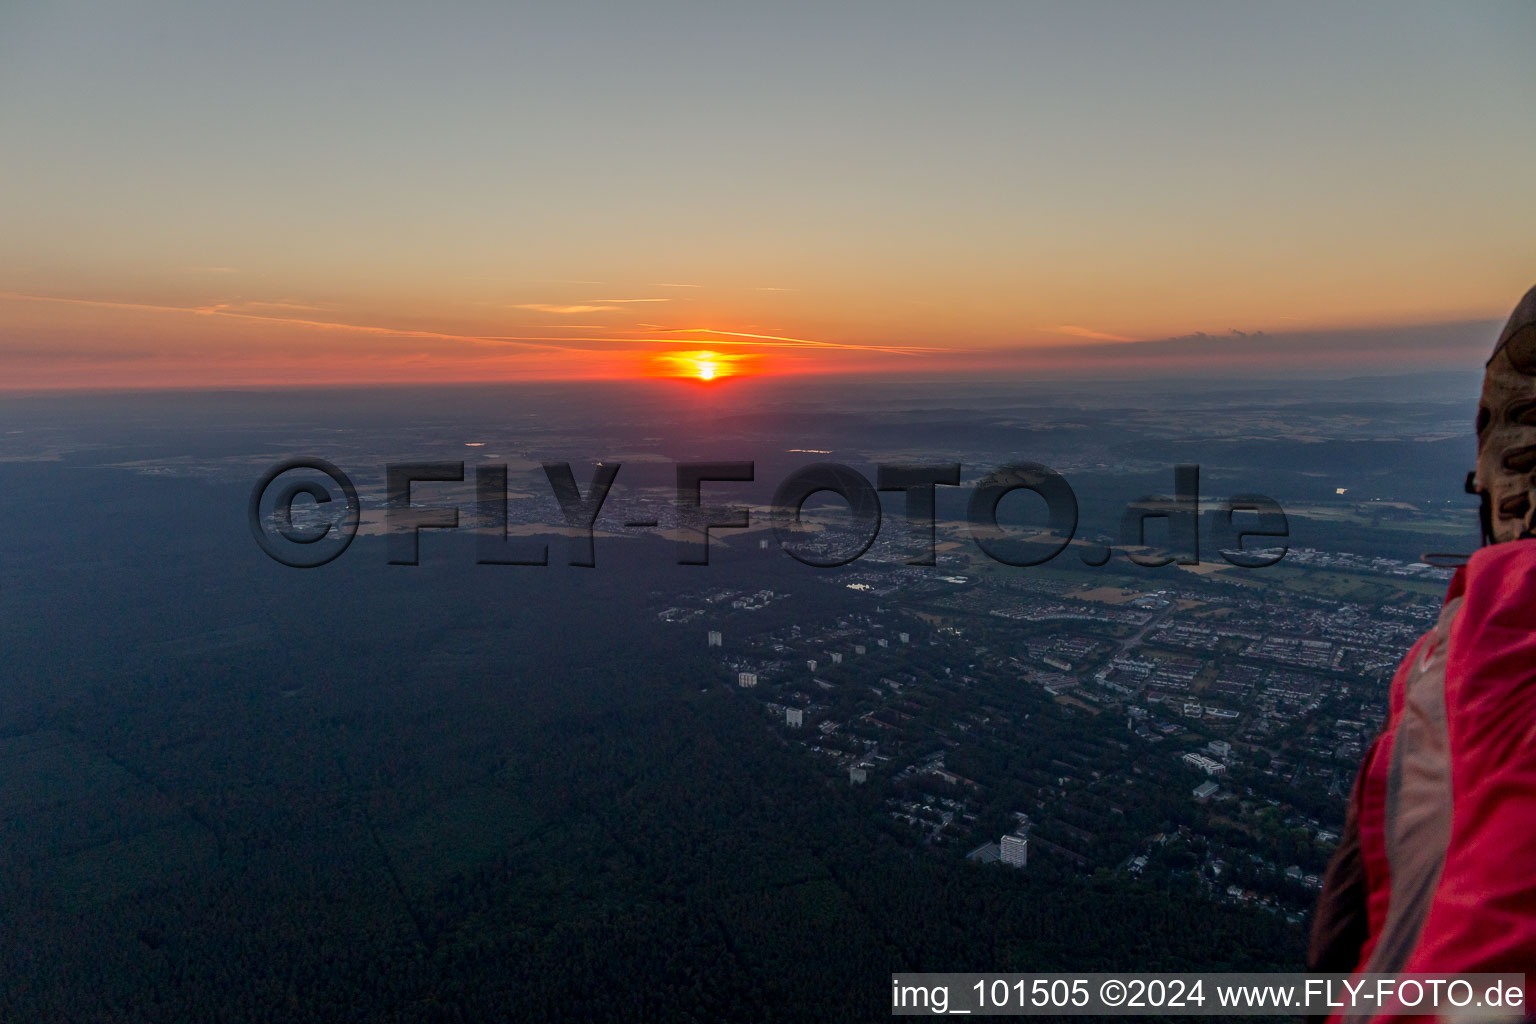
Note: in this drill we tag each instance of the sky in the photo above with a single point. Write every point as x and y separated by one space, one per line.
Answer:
212 194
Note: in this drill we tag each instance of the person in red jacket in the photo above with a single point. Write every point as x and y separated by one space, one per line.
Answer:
1436 871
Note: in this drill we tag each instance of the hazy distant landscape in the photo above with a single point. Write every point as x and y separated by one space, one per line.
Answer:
458 791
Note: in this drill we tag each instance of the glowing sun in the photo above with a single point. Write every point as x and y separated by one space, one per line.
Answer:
702 366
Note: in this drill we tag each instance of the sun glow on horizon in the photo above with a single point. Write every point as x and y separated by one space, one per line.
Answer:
703 365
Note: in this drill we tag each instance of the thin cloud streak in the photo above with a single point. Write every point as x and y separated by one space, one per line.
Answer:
226 312
541 343
768 339
300 306
1084 332
540 307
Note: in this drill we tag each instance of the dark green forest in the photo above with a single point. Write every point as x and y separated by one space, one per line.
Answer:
666 863
230 791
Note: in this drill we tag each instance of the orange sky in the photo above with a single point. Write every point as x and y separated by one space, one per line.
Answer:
108 343
214 198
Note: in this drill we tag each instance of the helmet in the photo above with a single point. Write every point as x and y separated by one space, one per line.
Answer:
1505 477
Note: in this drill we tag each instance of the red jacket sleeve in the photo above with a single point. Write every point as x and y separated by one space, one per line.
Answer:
1483 916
